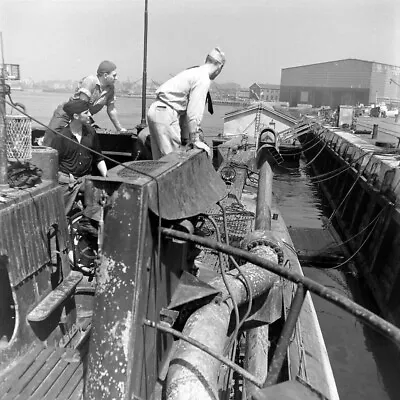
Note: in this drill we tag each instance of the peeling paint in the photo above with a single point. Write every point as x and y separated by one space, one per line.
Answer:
125 334
125 194
103 277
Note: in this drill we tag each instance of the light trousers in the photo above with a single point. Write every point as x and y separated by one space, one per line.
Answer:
165 130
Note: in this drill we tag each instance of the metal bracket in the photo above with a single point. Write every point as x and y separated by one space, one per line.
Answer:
191 289
168 316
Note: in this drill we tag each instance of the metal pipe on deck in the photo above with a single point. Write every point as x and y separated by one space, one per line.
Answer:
264 198
193 373
257 339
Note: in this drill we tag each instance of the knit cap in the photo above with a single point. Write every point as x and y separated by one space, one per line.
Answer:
106 67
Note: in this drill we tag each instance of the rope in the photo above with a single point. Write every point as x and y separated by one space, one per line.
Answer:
362 244
310 162
348 193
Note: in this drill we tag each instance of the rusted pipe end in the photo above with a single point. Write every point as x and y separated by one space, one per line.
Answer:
264 238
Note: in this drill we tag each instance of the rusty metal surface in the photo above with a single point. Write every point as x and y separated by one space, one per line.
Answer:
140 168
124 358
24 228
189 172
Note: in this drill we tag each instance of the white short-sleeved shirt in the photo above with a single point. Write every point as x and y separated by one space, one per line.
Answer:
186 93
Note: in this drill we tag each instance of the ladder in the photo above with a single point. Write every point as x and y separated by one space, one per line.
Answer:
257 122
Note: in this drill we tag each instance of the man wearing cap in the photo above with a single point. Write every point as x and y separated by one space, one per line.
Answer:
98 90
75 161
177 113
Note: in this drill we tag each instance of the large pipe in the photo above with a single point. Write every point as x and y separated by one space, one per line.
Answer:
193 373
264 198
257 339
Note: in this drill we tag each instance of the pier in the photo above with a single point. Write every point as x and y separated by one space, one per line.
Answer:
361 182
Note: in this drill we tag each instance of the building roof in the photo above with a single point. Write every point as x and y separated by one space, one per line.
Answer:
267 85
344 59
264 107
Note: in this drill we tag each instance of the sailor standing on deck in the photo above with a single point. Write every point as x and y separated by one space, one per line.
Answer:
98 90
176 115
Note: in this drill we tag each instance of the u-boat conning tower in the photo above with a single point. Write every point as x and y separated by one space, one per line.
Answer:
139 275
147 286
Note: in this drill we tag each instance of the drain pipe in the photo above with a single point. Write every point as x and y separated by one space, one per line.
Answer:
193 374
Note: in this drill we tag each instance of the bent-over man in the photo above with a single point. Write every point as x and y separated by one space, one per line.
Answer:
98 91
177 113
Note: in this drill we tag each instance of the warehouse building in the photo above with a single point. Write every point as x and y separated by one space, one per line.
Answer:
342 82
264 92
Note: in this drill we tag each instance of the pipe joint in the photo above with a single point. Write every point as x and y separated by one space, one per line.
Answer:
265 238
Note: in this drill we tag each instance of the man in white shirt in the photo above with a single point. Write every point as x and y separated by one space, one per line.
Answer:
178 111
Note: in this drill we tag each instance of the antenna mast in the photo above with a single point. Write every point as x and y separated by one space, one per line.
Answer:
144 79
3 151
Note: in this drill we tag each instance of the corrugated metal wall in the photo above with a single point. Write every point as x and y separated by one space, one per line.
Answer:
335 74
318 97
380 85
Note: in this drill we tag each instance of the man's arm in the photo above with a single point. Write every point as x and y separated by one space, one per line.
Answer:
101 165
195 108
112 113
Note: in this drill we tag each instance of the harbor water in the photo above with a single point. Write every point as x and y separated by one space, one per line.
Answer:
365 364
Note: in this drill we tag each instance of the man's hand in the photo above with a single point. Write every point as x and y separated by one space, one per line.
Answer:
201 145
122 130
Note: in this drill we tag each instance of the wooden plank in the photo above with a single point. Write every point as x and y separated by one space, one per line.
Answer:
42 374
52 377
78 392
18 369
55 298
72 384
29 374
65 376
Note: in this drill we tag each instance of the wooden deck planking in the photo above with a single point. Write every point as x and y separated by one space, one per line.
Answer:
41 375
63 370
64 378
29 374
15 372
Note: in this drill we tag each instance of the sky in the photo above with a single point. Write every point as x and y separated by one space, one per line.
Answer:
67 39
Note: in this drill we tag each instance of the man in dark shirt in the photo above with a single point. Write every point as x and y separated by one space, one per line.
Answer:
75 161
